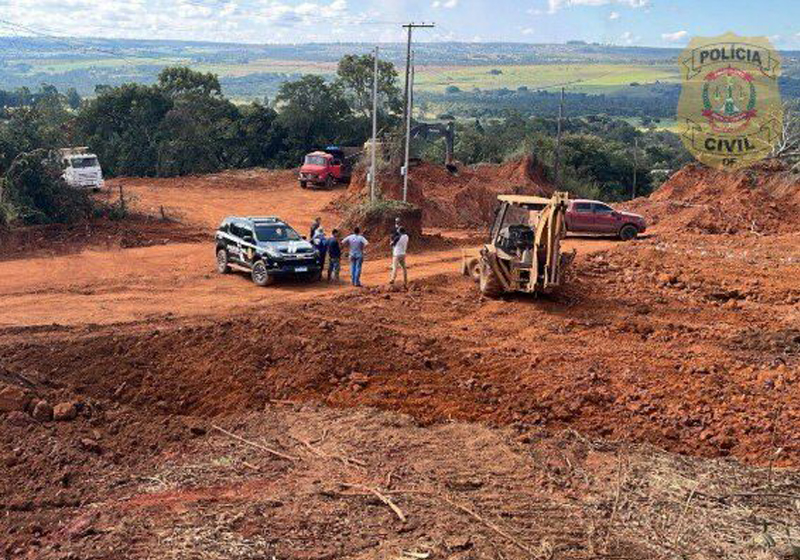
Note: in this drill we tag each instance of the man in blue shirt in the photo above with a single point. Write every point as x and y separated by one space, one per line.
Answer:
356 243
334 256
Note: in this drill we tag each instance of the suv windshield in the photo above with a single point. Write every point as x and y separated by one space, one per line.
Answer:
79 163
276 233
316 160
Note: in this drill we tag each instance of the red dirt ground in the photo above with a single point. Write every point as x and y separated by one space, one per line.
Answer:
592 423
764 199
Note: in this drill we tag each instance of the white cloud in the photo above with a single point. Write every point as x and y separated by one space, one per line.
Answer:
444 4
527 31
676 37
556 5
629 38
613 15
257 21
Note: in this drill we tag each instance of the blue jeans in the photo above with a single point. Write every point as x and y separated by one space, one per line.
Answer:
355 269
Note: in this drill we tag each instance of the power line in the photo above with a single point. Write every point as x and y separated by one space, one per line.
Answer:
65 41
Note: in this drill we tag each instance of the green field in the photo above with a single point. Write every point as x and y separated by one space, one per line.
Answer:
585 78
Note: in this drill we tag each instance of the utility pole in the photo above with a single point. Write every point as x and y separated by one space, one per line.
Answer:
410 97
410 27
635 164
372 177
557 163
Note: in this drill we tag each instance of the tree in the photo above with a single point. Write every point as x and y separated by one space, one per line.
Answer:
178 81
34 188
264 138
355 74
313 113
120 125
200 134
73 99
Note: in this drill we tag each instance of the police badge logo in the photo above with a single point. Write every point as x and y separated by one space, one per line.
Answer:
730 109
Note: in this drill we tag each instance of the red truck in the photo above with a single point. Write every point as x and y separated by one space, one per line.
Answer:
592 216
325 168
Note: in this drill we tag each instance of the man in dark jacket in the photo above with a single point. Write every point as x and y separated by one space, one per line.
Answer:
334 256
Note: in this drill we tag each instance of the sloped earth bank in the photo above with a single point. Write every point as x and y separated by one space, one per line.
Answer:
135 230
764 199
466 198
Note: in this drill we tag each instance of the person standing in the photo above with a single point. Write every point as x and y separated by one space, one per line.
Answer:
399 249
396 231
314 225
356 243
334 256
320 243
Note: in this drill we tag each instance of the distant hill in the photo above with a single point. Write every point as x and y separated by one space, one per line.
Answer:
256 71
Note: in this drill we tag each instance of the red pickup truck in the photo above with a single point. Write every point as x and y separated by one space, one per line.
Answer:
592 216
324 169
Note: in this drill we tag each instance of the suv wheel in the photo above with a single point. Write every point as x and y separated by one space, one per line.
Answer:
329 182
303 184
628 232
260 274
222 262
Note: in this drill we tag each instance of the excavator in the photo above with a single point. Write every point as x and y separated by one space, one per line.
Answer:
524 249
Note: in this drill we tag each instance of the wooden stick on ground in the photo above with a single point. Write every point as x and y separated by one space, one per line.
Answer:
490 525
320 453
386 500
254 444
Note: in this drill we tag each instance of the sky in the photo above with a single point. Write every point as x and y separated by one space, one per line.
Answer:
619 22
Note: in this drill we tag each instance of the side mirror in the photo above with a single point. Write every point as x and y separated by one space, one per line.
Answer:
248 239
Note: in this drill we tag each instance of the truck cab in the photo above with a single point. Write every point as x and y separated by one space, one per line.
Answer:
325 168
81 169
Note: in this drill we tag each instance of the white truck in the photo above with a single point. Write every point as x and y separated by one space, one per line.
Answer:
81 168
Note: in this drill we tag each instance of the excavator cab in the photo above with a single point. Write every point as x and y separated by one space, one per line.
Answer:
524 250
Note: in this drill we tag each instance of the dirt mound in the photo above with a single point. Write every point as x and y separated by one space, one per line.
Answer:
378 221
762 199
465 198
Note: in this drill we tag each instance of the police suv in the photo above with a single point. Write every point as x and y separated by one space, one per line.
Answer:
267 248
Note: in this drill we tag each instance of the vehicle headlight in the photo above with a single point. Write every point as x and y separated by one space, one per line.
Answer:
270 252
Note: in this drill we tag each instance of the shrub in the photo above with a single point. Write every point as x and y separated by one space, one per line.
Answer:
34 192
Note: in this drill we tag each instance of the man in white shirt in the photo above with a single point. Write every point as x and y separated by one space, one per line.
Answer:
356 243
399 256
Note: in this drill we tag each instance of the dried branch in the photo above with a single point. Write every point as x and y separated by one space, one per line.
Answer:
382 497
254 444
519 544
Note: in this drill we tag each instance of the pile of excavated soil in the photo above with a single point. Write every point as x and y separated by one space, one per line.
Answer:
762 199
466 198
